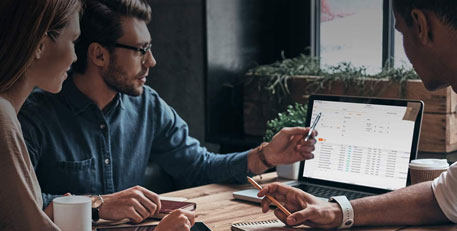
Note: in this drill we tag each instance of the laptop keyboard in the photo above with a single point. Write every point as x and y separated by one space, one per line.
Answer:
326 192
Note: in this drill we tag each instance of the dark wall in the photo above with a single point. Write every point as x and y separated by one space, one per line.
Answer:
240 35
203 48
177 45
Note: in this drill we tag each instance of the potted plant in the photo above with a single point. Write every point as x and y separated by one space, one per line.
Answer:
270 88
294 116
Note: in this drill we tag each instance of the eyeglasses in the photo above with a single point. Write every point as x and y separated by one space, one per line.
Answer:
142 50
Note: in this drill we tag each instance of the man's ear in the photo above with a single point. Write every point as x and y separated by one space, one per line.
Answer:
422 26
98 54
41 46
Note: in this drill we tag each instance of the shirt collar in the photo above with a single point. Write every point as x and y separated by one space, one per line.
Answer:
78 101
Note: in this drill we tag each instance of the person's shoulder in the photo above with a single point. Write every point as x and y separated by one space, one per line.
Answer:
38 98
153 97
5 104
38 105
148 96
7 111
148 102
8 117
10 134
149 92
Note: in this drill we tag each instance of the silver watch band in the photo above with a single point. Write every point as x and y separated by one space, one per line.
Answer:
348 212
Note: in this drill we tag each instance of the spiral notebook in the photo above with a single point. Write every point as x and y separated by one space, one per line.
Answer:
269 225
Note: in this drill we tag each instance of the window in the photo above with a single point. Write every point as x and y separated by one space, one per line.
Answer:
357 31
400 57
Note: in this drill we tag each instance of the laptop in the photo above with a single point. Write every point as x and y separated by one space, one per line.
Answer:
363 148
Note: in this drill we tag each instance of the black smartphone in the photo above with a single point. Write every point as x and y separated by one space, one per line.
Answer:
198 226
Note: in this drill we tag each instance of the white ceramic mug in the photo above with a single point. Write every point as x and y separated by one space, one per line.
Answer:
73 213
426 169
289 171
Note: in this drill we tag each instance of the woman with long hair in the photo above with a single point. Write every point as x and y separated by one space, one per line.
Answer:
36 50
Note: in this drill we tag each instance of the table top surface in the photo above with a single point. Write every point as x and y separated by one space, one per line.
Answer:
217 208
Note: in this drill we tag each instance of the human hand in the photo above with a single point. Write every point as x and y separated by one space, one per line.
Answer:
50 209
176 221
288 146
305 208
135 203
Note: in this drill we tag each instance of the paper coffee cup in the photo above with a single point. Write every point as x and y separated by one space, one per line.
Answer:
422 170
73 213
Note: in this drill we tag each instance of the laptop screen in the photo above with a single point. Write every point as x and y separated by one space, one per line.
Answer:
362 141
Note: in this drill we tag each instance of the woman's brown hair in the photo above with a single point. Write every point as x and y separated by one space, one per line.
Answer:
23 24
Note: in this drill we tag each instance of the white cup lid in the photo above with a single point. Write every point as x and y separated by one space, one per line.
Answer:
71 200
429 164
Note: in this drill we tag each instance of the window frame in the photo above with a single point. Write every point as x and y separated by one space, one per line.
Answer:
388 32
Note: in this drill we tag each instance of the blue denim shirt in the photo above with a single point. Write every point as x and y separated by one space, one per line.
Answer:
76 147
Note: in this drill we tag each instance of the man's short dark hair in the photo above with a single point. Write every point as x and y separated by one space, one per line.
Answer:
445 10
101 23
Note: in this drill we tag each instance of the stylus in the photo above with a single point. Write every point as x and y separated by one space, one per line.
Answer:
310 132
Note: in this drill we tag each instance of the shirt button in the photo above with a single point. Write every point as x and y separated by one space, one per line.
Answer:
107 161
102 126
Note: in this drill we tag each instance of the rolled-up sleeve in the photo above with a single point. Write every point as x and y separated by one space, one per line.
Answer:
445 190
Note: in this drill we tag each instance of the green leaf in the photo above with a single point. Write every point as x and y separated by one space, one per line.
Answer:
294 116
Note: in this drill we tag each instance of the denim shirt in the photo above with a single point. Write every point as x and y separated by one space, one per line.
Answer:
76 147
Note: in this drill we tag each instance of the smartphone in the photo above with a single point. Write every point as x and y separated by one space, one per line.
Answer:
198 226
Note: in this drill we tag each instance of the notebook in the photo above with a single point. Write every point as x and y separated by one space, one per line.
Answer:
276 225
198 226
168 206
271 225
363 148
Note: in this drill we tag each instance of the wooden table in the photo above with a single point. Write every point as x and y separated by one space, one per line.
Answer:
217 208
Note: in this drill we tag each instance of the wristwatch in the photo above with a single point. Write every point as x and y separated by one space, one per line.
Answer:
348 212
97 202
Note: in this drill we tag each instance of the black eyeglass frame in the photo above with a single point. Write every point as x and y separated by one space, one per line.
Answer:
142 50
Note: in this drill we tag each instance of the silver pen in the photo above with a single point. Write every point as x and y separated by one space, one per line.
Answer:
310 132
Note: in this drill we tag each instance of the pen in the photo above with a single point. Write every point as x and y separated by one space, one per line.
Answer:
313 126
280 206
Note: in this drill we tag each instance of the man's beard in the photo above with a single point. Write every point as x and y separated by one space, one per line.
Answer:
118 80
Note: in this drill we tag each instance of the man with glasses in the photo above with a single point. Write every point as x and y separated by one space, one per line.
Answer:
97 136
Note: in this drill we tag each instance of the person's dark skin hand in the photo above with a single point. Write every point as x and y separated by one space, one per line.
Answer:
135 204
178 220
288 146
305 208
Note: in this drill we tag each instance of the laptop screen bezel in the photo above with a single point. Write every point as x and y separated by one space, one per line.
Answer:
369 100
